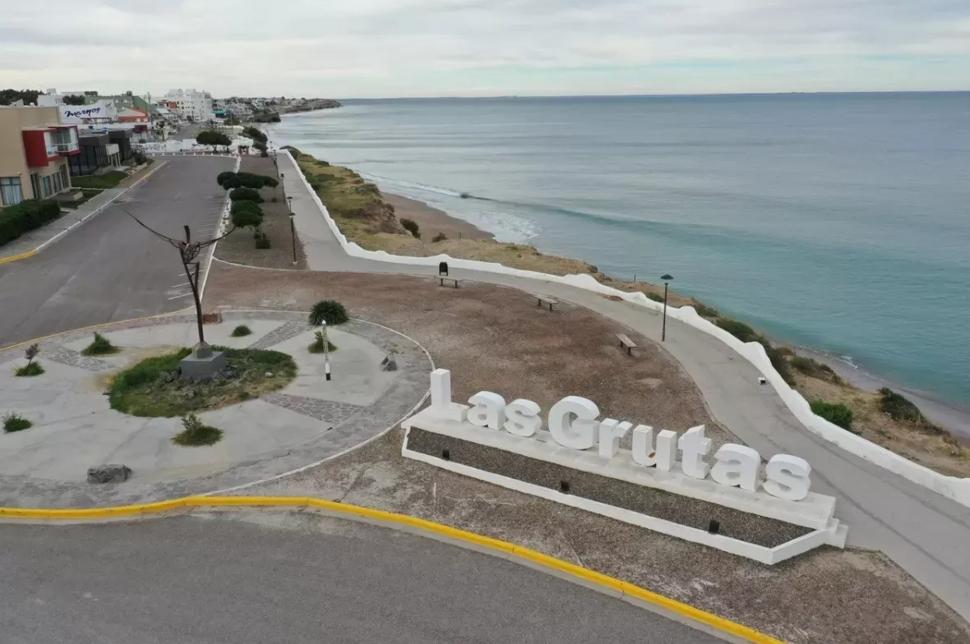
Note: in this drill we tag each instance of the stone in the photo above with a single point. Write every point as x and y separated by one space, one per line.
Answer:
109 474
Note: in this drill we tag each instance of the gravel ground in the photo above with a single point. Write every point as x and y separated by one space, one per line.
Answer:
240 247
509 346
656 503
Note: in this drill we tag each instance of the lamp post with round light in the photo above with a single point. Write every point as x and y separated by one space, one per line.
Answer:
667 278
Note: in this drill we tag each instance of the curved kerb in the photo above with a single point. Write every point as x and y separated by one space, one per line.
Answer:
493 546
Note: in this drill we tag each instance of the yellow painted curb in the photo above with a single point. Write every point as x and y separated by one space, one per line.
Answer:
16 258
687 611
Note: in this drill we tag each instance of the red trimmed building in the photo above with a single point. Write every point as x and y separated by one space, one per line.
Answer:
34 148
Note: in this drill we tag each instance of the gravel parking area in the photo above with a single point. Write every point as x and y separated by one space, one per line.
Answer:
496 338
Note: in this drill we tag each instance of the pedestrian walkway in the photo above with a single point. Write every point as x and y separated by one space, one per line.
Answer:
923 532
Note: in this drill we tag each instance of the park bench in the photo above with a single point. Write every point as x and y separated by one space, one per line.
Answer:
626 343
544 300
442 279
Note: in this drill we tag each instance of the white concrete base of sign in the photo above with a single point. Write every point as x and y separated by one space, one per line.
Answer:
815 511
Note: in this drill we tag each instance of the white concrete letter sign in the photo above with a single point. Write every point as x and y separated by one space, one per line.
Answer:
522 417
788 477
737 465
693 448
572 422
488 410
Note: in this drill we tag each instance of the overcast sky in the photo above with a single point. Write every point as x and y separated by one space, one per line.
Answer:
373 48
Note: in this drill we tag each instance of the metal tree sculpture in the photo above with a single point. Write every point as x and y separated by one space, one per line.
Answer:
189 252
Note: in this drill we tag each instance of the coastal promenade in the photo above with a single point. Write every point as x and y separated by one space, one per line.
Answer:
923 532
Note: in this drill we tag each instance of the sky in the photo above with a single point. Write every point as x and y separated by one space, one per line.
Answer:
385 48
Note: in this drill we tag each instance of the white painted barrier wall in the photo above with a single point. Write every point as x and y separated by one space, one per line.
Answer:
952 487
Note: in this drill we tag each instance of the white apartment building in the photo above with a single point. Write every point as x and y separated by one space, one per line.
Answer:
189 104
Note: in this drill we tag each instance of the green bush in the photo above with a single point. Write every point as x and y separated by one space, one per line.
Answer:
740 330
99 181
99 346
246 214
245 194
26 216
211 137
241 331
656 297
899 407
705 311
317 345
222 177
412 227
254 133
835 413
814 368
328 310
196 433
230 180
30 369
777 356
14 423
262 241
440 237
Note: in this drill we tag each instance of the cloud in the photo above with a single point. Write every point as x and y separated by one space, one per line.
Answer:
436 47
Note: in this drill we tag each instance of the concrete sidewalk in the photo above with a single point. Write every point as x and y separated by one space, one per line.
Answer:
922 531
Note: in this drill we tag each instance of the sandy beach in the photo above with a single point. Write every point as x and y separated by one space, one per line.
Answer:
433 221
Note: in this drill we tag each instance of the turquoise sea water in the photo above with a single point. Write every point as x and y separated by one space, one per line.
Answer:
839 222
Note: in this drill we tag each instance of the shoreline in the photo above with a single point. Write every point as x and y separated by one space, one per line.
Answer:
948 415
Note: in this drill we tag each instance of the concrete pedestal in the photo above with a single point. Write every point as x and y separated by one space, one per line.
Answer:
203 363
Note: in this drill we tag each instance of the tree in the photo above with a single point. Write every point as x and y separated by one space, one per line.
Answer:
246 214
213 138
74 99
245 194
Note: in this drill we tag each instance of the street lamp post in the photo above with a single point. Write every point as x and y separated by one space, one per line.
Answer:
667 278
326 350
289 203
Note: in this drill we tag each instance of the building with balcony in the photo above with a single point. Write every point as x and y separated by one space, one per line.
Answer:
189 104
34 151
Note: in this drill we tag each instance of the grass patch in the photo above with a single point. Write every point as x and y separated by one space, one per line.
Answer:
152 387
241 331
100 346
30 369
99 181
15 423
835 413
318 344
196 433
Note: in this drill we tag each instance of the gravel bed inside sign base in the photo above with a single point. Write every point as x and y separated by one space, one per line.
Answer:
637 498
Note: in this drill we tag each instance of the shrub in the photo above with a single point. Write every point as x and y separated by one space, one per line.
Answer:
222 177
705 311
899 407
211 137
317 345
99 346
245 194
777 356
814 368
14 423
328 310
241 331
440 237
262 241
412 227
254 133
26 216
196 433
32 369
835 413
656 297
740 330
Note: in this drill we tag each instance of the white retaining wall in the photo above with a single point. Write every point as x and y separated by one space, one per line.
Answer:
952 487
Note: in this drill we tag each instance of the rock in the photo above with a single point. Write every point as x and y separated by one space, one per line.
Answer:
109 474
389 364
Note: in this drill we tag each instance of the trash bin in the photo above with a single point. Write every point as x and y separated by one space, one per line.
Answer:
442 268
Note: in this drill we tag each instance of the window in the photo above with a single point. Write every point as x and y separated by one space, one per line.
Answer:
48 187
10 193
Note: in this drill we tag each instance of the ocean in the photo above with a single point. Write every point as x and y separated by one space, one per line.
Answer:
839 222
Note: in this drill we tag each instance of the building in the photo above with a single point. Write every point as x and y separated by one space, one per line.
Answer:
189 104
34 151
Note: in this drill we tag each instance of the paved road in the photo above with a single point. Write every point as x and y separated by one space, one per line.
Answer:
110 268
193 579
920 530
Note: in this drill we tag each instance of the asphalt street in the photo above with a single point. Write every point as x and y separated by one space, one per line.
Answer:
291 578
110 268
